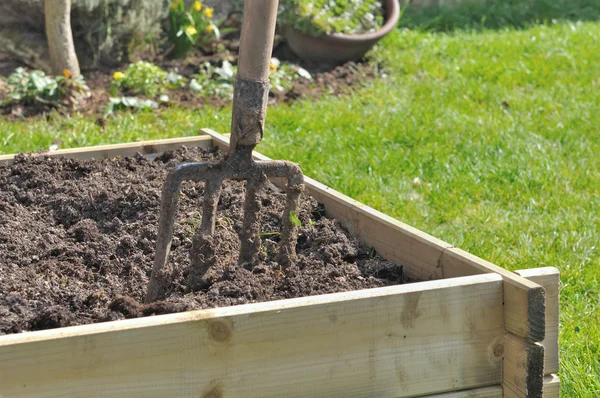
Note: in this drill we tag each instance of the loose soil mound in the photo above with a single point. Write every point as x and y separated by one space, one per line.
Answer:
77 243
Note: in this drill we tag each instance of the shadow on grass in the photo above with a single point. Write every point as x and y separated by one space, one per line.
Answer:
498 14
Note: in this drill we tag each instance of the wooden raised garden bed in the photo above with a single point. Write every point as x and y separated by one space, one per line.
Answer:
471 329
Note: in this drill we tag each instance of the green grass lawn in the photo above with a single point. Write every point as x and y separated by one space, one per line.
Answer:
501 126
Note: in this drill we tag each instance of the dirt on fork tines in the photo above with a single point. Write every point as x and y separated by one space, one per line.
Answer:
77 244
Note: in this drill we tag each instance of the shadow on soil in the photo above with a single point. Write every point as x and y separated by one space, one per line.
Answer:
499 14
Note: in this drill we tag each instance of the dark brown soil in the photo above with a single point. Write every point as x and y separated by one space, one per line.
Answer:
77 243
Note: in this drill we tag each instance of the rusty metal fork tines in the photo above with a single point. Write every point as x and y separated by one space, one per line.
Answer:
250 96
239 165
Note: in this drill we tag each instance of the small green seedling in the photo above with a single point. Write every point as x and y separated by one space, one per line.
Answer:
295 219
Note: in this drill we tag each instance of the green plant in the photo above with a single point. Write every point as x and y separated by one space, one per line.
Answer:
72 88
217 81
36 86
320 17
109 30
214 81
31 87
145 78
294 218
190 27
132 103
283 75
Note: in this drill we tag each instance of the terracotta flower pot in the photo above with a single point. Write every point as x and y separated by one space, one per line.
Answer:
338 48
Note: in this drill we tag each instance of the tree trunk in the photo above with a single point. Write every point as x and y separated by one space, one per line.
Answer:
60 37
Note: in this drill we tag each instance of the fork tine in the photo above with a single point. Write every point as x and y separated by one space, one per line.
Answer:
169 202
250 232
212 192
289 229
168 208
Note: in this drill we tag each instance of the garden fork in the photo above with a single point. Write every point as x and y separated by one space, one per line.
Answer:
251 91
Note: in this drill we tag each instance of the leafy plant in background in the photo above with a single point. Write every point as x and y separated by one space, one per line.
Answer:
36 86
145 78
109 30
191 27
217 81
72 88
283 75
214 81
320 17
133 103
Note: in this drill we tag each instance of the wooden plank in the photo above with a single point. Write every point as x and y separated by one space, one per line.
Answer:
549 279
551 386
397 341
523 371
524 300
128 149
417 251
485 392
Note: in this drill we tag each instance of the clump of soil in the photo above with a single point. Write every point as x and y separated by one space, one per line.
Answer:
77 244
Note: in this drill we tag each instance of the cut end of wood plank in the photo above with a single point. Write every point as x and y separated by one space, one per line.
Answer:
523 374
549 279
535 368
537 313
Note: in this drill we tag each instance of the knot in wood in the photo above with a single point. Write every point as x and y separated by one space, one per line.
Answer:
498 350
215 392
219 331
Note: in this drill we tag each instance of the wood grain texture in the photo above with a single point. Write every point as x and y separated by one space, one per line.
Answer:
549 279
524 300
128 149
523 371
485 392
398 341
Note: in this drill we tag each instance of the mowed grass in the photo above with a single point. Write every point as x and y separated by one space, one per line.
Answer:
487 139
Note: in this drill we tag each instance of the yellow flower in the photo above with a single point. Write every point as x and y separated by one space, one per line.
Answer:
274 64
67 73
208 12
197 5
174 3
190 30
118 75
209 28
